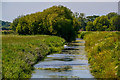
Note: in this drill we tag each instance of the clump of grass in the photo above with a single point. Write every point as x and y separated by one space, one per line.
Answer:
20 53
104 53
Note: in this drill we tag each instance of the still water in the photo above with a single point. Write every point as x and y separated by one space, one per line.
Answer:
70 63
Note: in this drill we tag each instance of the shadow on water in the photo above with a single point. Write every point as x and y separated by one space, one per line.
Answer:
64 59
71 63
71 49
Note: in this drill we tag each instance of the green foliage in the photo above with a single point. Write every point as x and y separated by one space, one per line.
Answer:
50 19
82 20
81 34
112 14
15 23
5 25
100 22
90 26
91 18
8 32
104 53
20 53
115 23
56 20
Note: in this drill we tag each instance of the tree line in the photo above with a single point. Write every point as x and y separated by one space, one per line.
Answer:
109 22
56 20
61 21
5 25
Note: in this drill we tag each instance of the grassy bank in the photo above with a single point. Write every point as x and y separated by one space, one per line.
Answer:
103 53
20 53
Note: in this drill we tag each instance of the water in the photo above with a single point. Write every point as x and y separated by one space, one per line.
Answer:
71 63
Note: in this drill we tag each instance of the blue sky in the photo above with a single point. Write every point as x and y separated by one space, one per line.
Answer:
10 10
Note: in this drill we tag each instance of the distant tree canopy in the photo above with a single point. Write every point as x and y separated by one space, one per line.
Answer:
110 22
90 26
56 20
5 25
81 18
115 23
101 23
60 21
112 14
91 18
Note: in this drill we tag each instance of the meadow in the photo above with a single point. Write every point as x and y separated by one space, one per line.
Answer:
103 53
21 52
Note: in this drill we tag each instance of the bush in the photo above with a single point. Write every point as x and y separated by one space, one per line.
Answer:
56 20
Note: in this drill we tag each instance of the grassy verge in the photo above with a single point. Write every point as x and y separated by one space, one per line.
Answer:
20 53
81 34
103 53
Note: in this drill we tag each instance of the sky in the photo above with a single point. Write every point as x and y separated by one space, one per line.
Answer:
11 10
60 0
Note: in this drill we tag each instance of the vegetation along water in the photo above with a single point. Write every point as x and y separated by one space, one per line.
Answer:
20 53
103 53
29 38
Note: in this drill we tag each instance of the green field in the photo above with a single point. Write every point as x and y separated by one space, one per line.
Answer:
20 53
103 53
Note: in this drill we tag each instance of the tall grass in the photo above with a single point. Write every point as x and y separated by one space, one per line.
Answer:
20 53
104 53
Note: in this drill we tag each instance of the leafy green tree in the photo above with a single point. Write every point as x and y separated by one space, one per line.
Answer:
90 26
112 14
56 20
5 25
22 27
67 31
115 23
101 22
82 20
15 22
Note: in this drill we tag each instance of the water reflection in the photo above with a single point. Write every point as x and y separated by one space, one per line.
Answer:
71 63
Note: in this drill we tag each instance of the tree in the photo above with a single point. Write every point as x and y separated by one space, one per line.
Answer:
15 22
91 18
82 15
76 14
56 20
82 20
112 14
5 25
22 27
115 23
99 22
90 26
